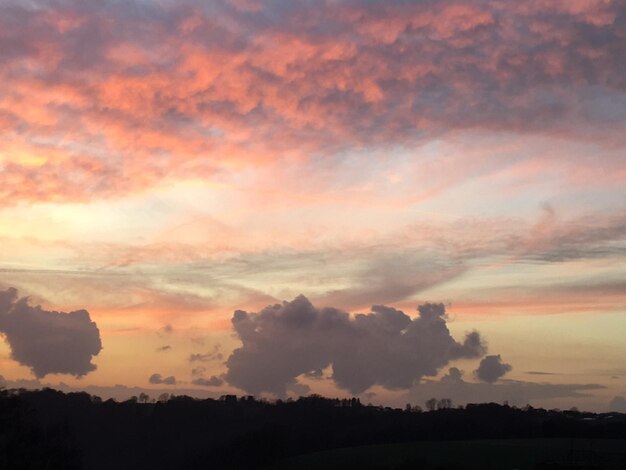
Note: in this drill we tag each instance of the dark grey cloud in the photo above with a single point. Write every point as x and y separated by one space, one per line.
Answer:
538 372
385 347
157 379
455 375
213 381
46 341
167 347
515 392
491 368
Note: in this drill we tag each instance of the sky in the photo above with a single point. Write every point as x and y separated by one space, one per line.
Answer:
393 200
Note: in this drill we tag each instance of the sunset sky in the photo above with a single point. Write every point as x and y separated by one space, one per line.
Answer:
164 164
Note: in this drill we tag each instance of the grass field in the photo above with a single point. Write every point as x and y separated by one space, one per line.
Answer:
523 454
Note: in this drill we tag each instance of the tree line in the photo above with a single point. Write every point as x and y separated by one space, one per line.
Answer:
50 429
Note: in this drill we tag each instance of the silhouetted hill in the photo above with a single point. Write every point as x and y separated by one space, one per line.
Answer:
50 429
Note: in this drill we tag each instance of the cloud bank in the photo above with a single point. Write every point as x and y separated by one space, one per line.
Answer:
519 393
153 88
618 404
48 342
385 347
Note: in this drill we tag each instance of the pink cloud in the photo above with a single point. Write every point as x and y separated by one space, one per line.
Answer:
170 91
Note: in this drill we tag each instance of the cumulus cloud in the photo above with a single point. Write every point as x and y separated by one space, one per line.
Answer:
385 347
455 375
213 381
46 341
157 379
491 368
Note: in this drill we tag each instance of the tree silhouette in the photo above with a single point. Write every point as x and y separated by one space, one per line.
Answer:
431 405
444 404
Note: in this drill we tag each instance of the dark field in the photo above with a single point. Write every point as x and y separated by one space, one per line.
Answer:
521 454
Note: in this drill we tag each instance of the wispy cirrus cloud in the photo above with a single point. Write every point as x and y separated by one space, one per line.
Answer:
354 270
